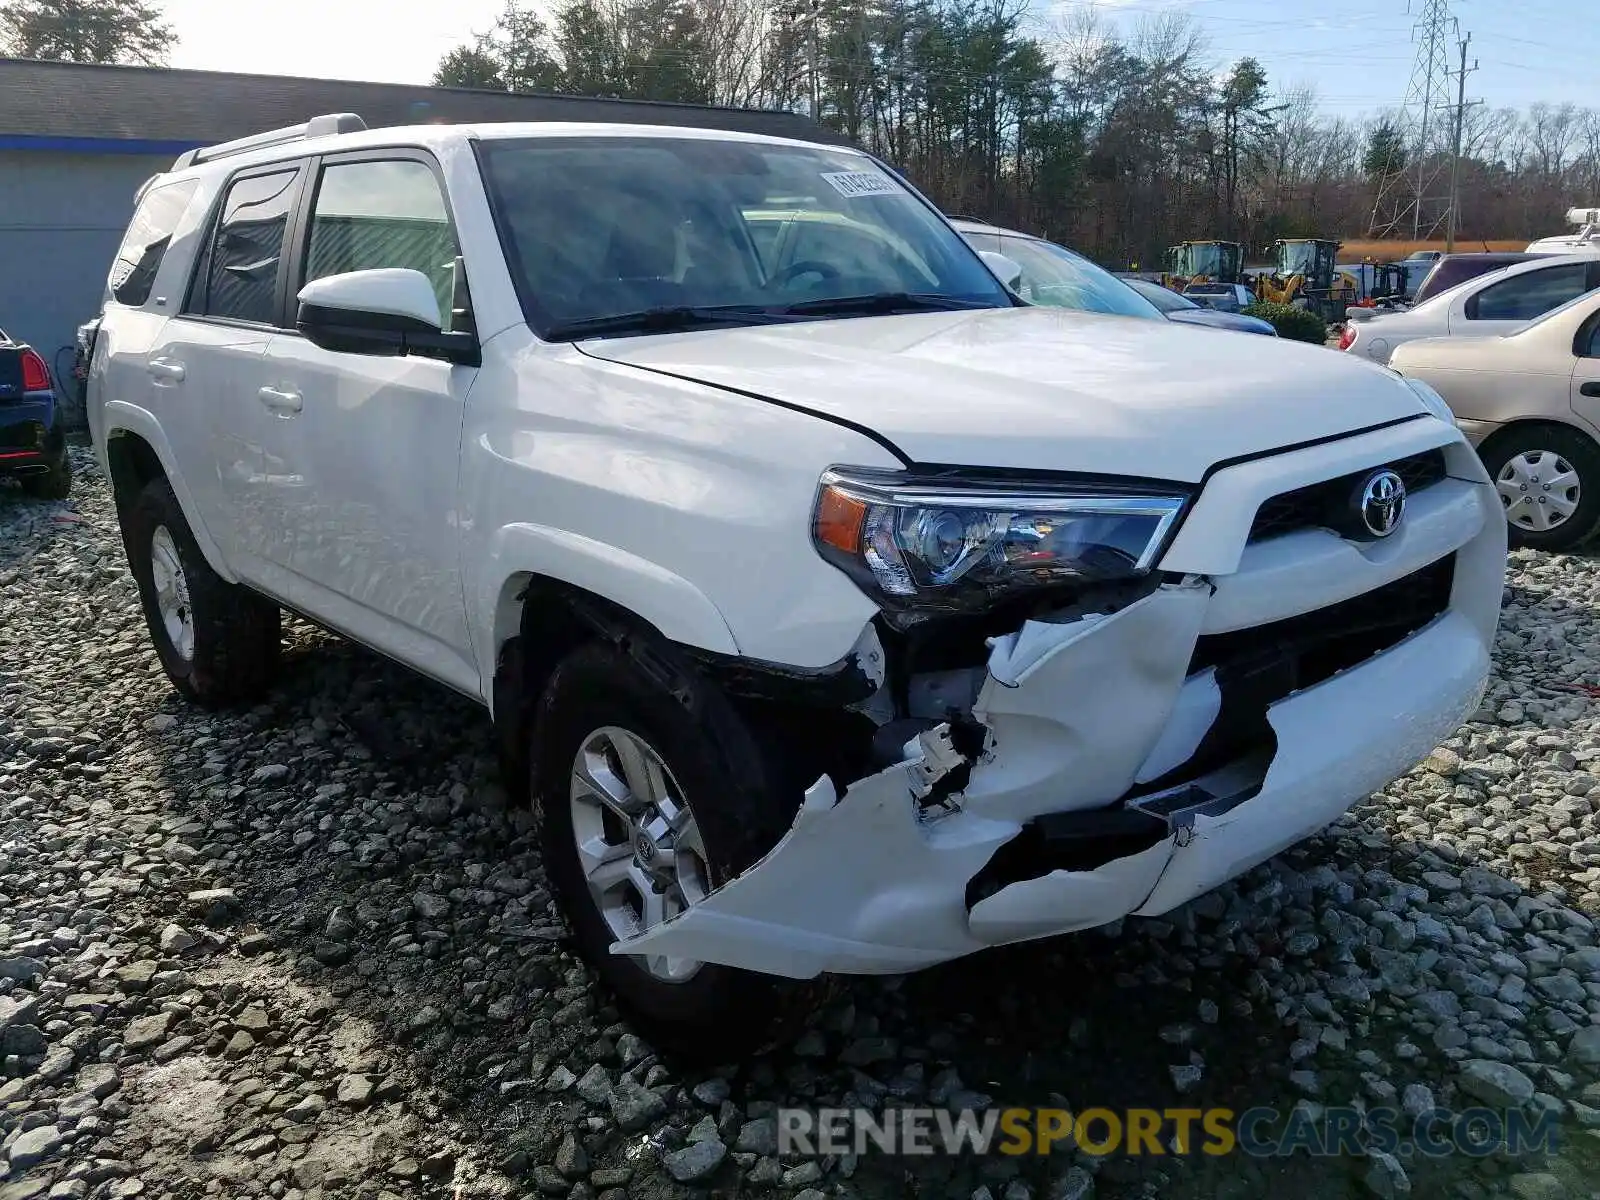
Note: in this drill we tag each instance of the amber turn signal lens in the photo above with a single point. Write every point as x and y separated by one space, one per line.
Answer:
839 520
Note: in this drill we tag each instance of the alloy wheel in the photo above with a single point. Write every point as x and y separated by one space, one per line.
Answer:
639 848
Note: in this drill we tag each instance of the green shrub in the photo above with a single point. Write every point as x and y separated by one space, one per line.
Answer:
1297 324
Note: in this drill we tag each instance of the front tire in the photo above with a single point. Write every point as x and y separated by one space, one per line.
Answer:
1548 479
617 753
218 642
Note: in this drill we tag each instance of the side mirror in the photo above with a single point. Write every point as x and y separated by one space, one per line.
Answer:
1007 270
389 312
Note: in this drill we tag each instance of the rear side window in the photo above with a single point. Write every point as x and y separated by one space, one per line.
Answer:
1524 297
383 213
145 244
238 275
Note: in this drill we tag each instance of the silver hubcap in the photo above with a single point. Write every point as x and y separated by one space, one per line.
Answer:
638 843
1540 490
172 592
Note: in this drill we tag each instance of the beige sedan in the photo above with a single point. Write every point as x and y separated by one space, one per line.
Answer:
1530 402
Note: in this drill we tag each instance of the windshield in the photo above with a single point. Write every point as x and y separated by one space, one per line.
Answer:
1164 299
1053 275
1297 258
1212 260
598 228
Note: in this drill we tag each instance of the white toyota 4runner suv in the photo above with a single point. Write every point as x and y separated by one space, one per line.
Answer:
840 612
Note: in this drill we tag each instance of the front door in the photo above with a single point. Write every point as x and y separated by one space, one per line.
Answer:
378 537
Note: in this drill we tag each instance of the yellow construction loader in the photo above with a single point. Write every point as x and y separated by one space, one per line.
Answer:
1202 262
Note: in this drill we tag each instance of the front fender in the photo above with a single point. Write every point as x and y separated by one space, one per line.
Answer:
676 608
120 417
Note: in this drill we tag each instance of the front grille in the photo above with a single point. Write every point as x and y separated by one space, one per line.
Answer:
1320 505
1318 645
1258 667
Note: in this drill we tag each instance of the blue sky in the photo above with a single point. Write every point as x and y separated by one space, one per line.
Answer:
1357 52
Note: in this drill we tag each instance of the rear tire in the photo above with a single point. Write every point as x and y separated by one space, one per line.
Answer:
218 642
714 772
1548 480
54 484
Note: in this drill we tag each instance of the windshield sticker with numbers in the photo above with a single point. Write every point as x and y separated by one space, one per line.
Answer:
861 183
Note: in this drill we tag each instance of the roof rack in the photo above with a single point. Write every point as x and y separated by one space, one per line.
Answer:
323 126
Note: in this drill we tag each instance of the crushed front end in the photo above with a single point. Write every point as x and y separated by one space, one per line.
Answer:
1149 742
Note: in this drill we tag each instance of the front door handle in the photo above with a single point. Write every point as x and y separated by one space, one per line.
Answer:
282 402
1589 389
169 369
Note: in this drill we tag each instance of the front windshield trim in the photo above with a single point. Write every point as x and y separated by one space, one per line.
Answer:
541 321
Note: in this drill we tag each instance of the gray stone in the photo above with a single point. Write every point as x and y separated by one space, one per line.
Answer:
1584 1048
19 1008
1385 1177
175 939
34 1146
758 1137
21 970
595 1086
633 1106
695 1161
711 1092
1495 1083
571 1159
354 1091
1076 1184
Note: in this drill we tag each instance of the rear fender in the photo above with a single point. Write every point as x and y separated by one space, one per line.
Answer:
121 418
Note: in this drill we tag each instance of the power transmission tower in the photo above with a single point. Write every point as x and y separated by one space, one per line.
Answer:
1455 155
1409 199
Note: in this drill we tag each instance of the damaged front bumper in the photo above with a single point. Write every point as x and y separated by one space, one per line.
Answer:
1100 790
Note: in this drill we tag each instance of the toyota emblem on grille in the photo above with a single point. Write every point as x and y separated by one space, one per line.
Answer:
1383 502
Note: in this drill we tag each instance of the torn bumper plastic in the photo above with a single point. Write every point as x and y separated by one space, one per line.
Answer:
1081 714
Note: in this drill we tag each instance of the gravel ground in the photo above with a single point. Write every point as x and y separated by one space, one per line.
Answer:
307 951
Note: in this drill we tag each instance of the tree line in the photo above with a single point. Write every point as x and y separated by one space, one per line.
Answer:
1116 142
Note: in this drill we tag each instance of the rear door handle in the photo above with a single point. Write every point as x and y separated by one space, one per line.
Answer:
1589 389
169 369
282 402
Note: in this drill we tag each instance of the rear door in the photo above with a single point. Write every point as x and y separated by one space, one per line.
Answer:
137 310
213 354
1497 309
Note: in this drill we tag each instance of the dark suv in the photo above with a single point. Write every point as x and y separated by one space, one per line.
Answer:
1451 269
33 445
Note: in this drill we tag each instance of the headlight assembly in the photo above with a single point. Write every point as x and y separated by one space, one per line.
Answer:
960 545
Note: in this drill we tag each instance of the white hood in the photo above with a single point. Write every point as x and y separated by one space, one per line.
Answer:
1042 388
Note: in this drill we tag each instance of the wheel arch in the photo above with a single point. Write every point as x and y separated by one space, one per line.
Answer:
1520 425
136 452
546 592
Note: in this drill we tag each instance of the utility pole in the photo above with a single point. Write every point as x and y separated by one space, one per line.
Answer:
1455 158
811 58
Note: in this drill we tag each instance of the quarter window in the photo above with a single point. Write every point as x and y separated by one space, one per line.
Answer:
145 244
1524 297
238 278
377 214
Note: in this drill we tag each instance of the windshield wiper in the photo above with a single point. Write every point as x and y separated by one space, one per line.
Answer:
881 303
667 319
